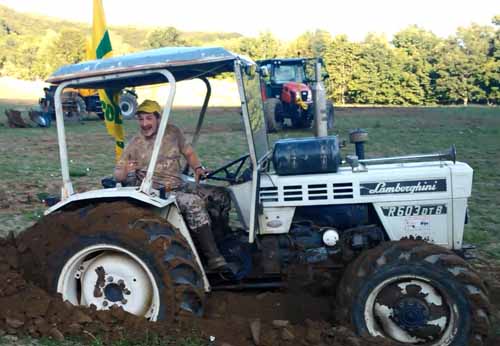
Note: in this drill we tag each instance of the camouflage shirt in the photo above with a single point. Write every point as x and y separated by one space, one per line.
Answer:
168 166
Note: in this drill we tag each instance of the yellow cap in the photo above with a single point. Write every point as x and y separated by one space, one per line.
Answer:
149 106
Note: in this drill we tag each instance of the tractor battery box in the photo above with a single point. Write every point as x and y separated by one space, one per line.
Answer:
306 155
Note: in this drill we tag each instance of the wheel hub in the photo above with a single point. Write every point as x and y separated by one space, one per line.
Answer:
113 293
409 310
105 275
114 279
411 314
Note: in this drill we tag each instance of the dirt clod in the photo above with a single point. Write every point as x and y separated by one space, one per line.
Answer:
280 323
56 334
287 335
255 327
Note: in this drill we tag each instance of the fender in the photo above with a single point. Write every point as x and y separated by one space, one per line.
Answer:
114 193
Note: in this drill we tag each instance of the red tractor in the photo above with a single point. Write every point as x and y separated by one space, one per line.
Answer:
286 91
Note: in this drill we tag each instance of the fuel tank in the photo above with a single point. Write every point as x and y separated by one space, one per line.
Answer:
306 155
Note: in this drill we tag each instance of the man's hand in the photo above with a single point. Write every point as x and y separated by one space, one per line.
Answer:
200 172
132 166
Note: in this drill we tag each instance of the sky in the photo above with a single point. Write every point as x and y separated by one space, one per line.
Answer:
285 19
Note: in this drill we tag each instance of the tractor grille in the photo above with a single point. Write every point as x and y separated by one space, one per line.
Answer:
317 192
268 194
306 193
292 193
342 190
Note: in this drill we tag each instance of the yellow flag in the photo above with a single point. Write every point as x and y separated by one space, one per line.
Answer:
101 49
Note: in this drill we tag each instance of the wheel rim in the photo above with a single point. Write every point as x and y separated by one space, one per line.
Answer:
411 310
107 275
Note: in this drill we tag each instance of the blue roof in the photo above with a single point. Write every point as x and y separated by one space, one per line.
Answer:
182 62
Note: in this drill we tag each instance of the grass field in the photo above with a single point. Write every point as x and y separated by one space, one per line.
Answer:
30 157
29 163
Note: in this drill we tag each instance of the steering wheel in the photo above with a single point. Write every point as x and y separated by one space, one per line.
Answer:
231 177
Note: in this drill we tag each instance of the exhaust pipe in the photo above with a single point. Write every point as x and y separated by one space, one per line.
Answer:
358 165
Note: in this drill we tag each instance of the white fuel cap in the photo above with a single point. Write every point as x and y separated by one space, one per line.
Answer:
331 237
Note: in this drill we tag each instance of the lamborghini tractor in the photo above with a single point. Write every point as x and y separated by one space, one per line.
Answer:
390 227
79 103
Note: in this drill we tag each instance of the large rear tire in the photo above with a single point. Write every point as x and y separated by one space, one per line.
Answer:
81 107
115 254
272 122
414 292
128 105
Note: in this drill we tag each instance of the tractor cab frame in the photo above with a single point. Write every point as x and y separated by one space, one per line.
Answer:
169 65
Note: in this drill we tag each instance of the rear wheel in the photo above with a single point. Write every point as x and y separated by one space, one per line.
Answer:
81 107
128 105
273 122
116 254
415 293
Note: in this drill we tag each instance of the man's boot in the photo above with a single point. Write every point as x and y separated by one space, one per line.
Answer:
206 242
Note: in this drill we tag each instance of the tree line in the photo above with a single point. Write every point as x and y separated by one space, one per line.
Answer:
416 67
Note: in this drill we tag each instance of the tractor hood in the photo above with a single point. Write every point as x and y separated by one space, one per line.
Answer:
296 87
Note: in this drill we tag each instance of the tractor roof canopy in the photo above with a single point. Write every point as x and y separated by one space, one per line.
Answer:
285 61
183 62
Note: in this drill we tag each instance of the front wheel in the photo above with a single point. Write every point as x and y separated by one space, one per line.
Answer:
115 254
415 293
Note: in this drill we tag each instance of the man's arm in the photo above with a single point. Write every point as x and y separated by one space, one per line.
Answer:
194 162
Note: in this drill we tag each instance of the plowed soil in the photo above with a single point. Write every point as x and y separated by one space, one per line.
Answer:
291 317
277 318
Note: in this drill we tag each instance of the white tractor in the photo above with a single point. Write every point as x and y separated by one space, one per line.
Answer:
392 227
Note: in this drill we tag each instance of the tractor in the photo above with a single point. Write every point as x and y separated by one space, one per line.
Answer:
79 103
390 227
286 91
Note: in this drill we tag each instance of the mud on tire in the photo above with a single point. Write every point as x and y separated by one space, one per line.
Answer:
102 233
395 291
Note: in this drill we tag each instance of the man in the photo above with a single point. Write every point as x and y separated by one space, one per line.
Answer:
192 199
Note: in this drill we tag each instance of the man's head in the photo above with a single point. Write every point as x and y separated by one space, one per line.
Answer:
148 115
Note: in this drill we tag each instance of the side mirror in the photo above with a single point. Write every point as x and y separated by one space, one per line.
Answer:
250 70
264 71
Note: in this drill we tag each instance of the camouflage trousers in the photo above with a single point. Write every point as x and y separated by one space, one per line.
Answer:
203 205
